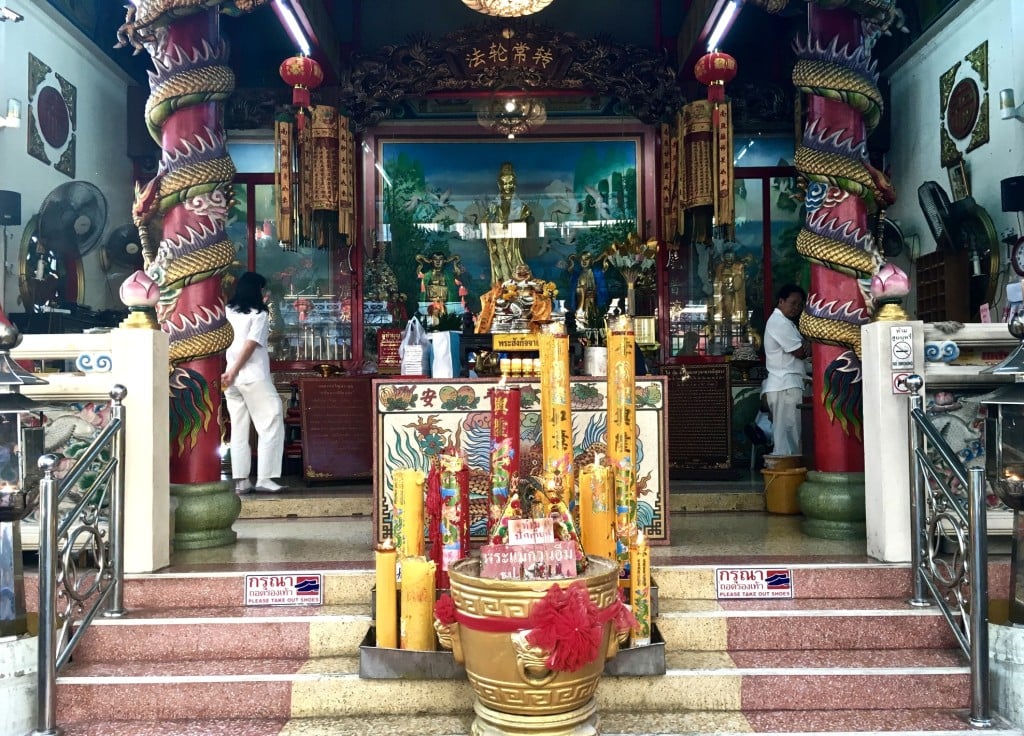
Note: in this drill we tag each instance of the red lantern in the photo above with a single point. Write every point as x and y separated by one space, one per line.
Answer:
714 70
304 74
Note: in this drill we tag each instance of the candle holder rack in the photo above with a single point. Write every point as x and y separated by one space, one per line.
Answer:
379 663
643 661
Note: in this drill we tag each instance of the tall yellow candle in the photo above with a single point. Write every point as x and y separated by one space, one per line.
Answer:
386 565
416 629
556 410
597 518
407 519
622 429
640 588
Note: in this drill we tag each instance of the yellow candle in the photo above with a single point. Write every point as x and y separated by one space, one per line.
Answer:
640 589
597 520
417 620
407 520
556 410
622 429
385 560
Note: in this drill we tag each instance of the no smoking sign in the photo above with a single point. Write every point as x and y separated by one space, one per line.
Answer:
901 348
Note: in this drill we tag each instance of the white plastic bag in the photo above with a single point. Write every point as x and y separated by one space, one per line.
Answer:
414 351
444 354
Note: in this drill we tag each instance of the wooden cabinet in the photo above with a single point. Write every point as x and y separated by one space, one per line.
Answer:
944 287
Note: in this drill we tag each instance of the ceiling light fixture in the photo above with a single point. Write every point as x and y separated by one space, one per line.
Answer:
724 23
6 14
291 25
512 116
507 8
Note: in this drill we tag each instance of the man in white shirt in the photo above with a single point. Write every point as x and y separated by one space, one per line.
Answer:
784 350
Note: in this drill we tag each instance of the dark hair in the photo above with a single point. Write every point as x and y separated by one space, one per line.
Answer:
787 290
248 293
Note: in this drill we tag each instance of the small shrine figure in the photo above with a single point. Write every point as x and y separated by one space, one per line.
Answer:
502 240
519 304
729 301
587 289
439 285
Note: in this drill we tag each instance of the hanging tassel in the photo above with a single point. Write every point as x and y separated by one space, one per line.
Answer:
433 508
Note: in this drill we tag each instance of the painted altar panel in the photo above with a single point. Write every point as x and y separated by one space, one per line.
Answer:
417 419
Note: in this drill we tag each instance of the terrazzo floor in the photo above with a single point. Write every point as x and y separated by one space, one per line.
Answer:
344 542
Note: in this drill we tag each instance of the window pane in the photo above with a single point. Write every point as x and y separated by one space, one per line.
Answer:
310 296
748 306
252 158
788 266
237 228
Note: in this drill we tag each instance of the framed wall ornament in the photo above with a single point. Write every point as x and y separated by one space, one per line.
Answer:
52 117
963 106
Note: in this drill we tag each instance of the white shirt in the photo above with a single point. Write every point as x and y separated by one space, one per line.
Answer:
781 338
256 327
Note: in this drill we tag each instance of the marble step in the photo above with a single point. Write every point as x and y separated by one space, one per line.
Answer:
781 723
351 583
160 635
343 584
330 687
337 630
804 623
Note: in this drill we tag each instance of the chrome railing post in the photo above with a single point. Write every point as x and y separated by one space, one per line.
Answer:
981 708
918 507
46 705
116 607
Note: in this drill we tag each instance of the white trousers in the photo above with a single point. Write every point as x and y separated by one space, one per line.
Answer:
256 404
785 408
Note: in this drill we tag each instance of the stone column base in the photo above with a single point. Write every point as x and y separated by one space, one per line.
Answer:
204 514
833 505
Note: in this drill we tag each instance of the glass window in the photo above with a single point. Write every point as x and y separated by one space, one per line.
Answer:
309 288
719 294
252 157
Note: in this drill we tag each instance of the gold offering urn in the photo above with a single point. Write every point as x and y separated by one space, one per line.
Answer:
528 678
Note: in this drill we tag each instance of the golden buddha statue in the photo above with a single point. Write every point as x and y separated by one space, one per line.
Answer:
502 242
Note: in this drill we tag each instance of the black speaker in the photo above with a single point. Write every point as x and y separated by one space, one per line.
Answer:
10 208
1012 193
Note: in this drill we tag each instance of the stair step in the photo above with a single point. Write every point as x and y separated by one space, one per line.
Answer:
343 583
162 635
679 580
782 723
331 687
307 505
848 623
352 581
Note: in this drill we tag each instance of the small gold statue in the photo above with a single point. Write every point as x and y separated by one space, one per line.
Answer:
519 304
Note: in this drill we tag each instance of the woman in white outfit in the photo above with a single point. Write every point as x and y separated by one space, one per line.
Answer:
249 391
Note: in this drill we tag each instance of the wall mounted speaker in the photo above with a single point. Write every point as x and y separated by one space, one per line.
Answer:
1012 193
10 208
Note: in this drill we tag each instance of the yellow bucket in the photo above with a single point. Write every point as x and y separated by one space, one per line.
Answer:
780 489
783 462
